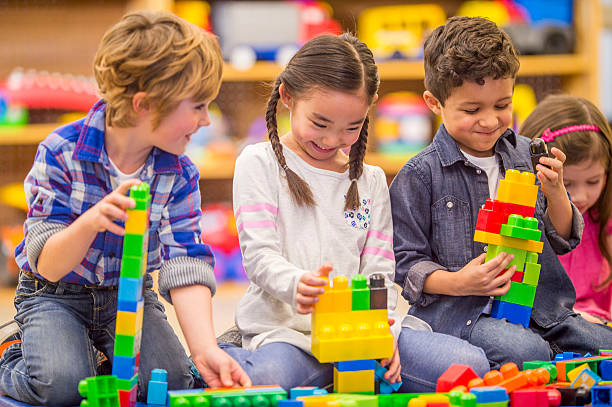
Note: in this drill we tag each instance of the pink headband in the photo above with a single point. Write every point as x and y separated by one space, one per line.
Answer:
548 135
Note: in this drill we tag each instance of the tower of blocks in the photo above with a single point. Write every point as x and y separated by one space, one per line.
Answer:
128 330
350 328
507 225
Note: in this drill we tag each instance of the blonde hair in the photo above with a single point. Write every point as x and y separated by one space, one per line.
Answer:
161 55
560 111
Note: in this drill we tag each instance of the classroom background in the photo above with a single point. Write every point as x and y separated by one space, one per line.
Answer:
47 48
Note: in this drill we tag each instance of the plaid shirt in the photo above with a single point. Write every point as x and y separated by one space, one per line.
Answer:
72 172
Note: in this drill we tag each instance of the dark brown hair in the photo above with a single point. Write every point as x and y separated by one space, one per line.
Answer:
341 63
467 49
559 111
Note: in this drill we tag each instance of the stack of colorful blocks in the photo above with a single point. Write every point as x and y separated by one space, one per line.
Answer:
128 330
350 328
507 225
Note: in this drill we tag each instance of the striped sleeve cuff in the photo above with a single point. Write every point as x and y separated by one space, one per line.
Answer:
185 271
37 237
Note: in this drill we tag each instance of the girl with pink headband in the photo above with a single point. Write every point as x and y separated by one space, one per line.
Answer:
577 127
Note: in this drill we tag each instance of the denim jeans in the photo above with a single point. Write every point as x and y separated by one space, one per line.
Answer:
505 342
61 323
424 357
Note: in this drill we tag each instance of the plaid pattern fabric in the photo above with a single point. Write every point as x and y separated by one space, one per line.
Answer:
72 172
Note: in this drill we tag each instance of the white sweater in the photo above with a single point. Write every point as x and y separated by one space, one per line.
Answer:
281 240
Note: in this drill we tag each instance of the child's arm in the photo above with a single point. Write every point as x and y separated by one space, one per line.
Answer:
64 250
559 208
193 305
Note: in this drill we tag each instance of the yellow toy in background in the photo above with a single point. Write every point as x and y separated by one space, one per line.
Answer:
194 11
398 31
523 103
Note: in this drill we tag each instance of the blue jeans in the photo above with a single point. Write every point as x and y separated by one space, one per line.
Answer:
61 323
424 357
505 342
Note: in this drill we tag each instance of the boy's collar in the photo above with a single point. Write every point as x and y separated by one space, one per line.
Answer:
449 152
90 144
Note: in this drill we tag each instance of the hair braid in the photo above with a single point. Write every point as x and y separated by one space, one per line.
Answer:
356 166
299 189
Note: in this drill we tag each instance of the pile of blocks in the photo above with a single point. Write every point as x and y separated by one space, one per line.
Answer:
507 225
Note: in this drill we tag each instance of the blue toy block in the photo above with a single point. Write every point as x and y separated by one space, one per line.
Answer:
514 313
601 396
124 367
567 356
490 394
354 365
384 387
290 403
130 289
296 392
605 369
129 306
158 387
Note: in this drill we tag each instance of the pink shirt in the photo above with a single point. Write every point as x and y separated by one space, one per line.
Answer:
586 267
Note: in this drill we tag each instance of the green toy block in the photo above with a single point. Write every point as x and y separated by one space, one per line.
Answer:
519 255
522 228
133 245
123 384
361 293
519 293
532 257
141 194
238 398
99 391
461 399
531 276
126 345
131 266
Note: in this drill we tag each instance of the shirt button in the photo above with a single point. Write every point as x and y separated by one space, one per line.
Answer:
111 255
469 322
478 171
449 205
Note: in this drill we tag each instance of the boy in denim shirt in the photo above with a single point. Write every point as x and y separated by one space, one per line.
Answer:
157 74
470 67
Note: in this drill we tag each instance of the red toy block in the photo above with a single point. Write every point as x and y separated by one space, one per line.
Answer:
517 277
495 213
455 375
128 398
536 397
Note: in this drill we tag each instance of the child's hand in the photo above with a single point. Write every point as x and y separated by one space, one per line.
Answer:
113 206
310 287
550 174
218 369
486 279
393 365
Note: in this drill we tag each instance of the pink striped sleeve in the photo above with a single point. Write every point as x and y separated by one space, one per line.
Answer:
378 252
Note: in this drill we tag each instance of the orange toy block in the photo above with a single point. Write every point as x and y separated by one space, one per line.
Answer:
518 188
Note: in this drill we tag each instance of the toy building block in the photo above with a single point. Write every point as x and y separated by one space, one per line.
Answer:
354 365
495 213
490 394
157 392
455 375
128 397
564 366
514 313
605 369
519 293
574 396
531 275
361 293
342 294
492 238
601 396
99 391
359 381
519 255
257 396
605 352
587 379
536 364
575 372
378 292
522 228
302 391
382 385
535 397
516 277
518 188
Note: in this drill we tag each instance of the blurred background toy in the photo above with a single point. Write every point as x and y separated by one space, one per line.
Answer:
398 31
212 144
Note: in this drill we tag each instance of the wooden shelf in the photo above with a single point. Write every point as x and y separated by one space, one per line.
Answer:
30 134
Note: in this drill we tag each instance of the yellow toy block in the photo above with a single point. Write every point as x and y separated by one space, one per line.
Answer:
137 222
129 323
319 401
574 373
326 301
342 294
518 188
352 335
425 399
359 381
587 379
513 242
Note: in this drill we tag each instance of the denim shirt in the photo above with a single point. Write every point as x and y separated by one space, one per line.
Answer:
435 200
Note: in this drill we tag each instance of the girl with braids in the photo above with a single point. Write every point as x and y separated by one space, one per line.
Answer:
305 209
576 126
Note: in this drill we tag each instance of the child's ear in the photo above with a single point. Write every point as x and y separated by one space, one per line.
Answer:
285 97
140 103
432 102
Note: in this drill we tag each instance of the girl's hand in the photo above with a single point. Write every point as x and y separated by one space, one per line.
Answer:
486 279
393 365
218 369
310 287
112 207
552 178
